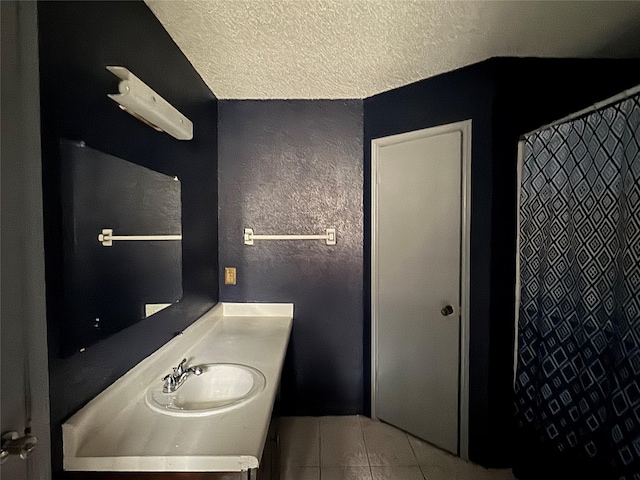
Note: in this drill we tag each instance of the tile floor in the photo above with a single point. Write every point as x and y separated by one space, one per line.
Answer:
357 448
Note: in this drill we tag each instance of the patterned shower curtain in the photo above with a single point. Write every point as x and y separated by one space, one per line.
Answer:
578 368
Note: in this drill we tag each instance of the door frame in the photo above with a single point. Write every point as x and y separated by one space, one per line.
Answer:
25 164
465 128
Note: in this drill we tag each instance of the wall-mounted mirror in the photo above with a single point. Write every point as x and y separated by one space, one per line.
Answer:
122 227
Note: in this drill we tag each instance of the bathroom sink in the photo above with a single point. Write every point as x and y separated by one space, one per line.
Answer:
220 387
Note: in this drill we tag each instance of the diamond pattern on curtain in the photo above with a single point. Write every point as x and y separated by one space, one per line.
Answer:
578 373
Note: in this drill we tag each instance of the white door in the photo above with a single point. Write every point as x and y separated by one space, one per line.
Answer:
419 209
24 408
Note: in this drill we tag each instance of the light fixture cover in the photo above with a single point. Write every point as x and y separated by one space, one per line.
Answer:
138 99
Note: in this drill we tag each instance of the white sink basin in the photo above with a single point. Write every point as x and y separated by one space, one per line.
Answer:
221 387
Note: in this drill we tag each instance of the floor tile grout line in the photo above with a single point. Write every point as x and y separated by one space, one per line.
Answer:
415 455
413 450
366 448
342 428
319 451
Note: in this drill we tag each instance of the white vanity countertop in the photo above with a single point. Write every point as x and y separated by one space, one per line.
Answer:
117 431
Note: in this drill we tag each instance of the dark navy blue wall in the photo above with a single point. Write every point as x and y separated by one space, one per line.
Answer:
295 167
505 98
77 40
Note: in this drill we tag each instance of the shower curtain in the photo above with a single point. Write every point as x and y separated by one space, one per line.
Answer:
577 385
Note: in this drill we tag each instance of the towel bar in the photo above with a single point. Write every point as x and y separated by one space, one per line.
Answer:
330 237
107 237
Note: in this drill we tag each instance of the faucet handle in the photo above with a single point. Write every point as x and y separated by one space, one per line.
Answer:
180 368
169 383
197 370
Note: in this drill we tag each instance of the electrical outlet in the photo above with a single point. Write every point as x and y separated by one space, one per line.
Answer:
229 275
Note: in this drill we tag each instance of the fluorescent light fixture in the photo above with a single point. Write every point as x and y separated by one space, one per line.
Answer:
138 99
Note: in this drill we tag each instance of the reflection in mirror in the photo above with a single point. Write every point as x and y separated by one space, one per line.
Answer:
122 245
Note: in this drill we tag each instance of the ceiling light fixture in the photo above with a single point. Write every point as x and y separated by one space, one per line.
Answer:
141 101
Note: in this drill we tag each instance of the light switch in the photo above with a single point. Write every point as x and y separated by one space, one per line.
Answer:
229 275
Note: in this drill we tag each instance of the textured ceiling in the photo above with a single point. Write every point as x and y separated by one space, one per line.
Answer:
264 49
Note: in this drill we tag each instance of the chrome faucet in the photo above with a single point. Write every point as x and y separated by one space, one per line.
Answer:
174 380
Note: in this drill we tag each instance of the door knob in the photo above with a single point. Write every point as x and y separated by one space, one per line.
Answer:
12 444
446 311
